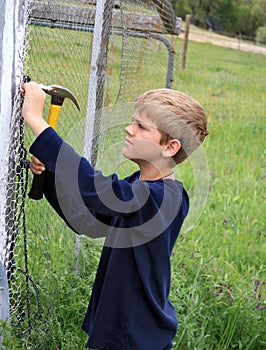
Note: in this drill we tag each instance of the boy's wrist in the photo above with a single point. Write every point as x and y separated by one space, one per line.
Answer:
37 125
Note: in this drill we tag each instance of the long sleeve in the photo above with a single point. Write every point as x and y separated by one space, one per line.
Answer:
141 210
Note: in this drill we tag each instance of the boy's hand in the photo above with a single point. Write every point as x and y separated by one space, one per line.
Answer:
32 109
36 166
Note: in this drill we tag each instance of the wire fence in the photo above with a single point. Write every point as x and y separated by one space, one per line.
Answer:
138 53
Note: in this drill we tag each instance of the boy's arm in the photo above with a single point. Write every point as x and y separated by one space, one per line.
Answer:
81 220
105 195
97 206
32 109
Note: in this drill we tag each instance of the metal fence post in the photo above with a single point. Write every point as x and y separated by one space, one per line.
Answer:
102 31
11 43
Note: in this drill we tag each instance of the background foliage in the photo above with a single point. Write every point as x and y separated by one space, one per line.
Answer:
234 17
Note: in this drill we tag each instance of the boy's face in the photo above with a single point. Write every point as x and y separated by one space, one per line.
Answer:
142 143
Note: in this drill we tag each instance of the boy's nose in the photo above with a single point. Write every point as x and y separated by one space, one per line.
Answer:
130 129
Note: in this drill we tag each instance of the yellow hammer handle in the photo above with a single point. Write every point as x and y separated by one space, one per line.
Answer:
53 115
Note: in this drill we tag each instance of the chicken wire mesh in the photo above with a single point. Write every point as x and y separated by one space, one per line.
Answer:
137 53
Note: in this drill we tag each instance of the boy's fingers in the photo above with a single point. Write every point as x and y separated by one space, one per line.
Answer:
32 86
36 170
24 87
22 90
36 166
36 161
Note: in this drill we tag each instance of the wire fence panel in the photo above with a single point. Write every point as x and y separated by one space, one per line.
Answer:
47 295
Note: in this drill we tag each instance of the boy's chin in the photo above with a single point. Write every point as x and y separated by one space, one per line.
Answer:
132 159
126 154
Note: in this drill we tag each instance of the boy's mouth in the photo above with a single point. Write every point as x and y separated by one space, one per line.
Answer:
128 141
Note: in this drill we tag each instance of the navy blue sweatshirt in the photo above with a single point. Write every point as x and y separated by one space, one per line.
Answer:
129 308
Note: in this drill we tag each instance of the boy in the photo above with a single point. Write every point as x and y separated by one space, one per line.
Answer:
140 216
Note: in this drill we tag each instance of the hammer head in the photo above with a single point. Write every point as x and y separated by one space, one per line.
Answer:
59 93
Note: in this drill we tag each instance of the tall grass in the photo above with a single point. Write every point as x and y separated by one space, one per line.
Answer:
218 267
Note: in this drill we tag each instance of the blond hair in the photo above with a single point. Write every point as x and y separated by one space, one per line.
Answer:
177 116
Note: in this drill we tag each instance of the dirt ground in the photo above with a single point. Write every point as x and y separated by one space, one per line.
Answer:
201 35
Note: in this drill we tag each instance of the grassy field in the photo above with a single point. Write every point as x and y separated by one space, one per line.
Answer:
218 266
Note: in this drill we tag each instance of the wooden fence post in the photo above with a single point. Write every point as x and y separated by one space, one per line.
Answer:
185 42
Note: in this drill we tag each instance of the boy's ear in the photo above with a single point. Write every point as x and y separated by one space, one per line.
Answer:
172 147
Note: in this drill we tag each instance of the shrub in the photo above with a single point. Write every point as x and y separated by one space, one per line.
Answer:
261 35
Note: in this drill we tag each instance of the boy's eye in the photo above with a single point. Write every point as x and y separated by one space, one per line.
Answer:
142 125
138 123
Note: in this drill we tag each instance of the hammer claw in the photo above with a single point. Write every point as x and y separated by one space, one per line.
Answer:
59 92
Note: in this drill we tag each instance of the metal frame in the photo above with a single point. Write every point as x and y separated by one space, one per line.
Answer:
86 28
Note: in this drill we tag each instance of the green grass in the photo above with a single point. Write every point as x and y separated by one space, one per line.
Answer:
218 264
218 267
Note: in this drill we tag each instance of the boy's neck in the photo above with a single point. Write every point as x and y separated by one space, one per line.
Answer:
155 174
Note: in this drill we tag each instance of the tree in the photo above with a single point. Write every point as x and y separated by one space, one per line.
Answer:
260 15
236 16
259 12
251 15
202 9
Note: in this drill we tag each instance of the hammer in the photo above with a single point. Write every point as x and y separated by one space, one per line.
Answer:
58 94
